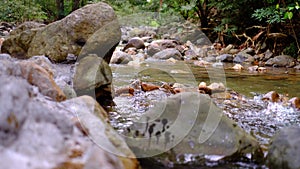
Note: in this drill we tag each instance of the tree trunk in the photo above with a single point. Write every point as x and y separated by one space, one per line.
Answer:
60 9
83 2
202 13
75 5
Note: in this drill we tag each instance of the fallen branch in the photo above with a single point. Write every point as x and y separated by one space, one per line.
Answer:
256 27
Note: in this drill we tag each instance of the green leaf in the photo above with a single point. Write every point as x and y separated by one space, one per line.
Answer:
277 6
288 15
290 8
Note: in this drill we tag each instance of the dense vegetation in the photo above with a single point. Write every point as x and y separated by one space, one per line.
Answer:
242 22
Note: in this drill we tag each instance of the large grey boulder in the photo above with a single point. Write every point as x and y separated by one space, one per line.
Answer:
38 133
189 123
284 151
93 27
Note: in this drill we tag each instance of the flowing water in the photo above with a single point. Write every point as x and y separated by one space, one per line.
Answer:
259 118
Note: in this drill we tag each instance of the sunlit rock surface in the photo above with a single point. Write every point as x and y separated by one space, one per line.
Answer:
189 123
94 26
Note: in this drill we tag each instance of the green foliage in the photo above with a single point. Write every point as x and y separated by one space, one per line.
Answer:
270 14
291 50
276 13
20 11
49 7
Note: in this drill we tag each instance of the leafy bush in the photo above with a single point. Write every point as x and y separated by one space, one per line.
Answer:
291 50
276 13
20 11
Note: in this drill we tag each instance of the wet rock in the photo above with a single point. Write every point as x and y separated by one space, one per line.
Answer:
167 88
226 49
222 95
225 58
250 59
210 59
120 57
159 45
267 55
233 51
237 67
195 50
168 53
93 77
271 96
165 43
38 76
189 123
217 87
249 51
252 68
201 63
148 87
261 69
297 67
127 91
204 89
93 26
172 60
281 61
295 102
241 57
190 55
136 43
284 151
153 49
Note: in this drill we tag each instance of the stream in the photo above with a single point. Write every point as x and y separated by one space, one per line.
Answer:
259 118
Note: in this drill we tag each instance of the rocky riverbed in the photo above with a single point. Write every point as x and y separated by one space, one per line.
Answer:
90 91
